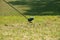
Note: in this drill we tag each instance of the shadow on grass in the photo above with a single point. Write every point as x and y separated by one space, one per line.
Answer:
40 8
18 3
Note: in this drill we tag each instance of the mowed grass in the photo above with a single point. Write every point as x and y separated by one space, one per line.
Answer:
42 28
13 26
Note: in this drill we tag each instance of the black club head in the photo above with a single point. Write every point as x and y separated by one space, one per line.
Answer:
30 19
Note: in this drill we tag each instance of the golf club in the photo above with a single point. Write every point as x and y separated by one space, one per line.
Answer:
29 19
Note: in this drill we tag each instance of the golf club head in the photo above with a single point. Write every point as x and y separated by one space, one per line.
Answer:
30 20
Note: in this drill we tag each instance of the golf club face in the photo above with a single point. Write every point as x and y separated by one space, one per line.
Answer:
30 20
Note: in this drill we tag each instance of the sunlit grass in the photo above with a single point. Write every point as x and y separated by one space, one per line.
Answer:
42 28
14 26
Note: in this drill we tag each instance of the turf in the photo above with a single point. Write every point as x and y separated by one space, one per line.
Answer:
14 26
46 28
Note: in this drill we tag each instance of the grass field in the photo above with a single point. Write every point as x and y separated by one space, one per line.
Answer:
14 26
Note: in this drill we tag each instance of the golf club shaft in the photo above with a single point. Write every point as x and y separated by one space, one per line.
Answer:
15 9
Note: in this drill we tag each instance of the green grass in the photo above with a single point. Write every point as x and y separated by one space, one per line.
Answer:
42 28
13 26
